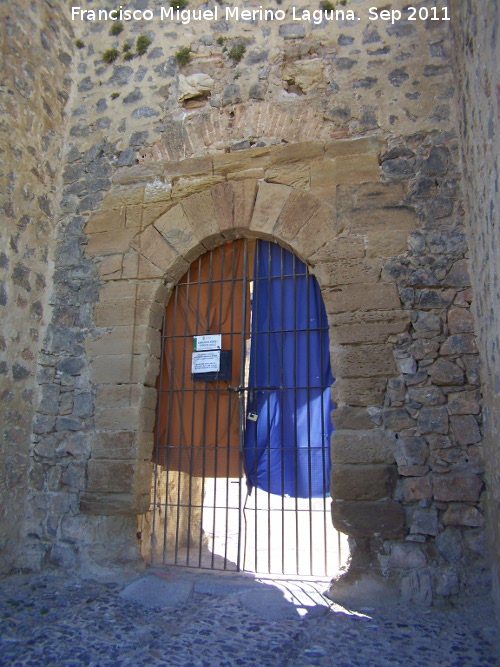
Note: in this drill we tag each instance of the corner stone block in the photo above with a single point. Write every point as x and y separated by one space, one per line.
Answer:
357 447
124 369
123 196
365 519
371 332
125 340
117 444
126 396
137 267
111 476
362 296
110 243
384 245
348 417
363 482
120 445
123 303
358 392
355 361
115 504
270 202
377 195
126 418
122 290
128 312
344 247
350 169
348 271
106 220
110 268
387 220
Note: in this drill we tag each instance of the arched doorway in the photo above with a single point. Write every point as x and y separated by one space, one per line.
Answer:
243 423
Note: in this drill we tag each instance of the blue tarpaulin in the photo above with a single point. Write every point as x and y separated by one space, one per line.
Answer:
288 424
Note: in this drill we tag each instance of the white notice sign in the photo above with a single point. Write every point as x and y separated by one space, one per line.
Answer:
207 342
205 362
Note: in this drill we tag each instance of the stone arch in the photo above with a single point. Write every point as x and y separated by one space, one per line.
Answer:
364 310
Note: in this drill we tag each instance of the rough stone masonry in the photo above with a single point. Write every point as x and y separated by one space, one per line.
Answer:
124 160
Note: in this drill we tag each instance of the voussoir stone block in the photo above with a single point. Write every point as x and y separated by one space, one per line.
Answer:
299 207
244 195
362 482
317 231
151 244
384 519
200 211
176 229
373 446
268 206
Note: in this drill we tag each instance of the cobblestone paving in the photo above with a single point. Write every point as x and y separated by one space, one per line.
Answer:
47 620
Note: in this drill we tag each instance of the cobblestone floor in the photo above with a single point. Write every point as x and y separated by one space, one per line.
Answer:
46 620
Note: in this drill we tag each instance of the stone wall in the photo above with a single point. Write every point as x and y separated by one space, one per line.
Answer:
36 59
477 64
338 140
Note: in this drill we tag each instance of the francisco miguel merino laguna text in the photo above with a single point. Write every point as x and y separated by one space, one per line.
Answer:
185 16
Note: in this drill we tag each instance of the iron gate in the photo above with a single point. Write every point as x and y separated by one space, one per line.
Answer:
241 443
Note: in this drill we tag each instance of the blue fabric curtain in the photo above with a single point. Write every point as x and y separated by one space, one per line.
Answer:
288 424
